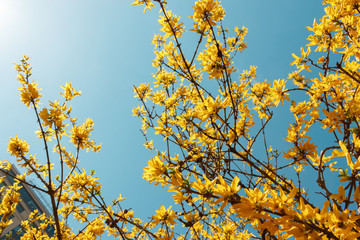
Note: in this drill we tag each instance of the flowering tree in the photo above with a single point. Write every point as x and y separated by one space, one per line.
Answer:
73 193
227 180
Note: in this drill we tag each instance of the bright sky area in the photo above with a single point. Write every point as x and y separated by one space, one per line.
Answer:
104 48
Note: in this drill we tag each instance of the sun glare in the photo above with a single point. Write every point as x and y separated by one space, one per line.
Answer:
8 14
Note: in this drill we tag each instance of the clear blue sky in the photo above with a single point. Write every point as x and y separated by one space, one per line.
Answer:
104 48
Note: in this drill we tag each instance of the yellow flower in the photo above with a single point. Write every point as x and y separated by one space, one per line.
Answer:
80 136
96 227
69 92
158 40
142 91
165 216
164 78
154 171
206 14
17 147
148 4
226 191
79 182
30 93
278 92
340 196
216 60
54 117
205 189
171 25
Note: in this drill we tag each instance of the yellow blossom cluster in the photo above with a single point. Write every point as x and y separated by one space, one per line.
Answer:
10 197
224 184
29 91
73 193
18 147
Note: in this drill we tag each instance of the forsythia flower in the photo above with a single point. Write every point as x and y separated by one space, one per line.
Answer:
17 147
78 182
237 43
225 190
96 227
216 61
80 136
153 172
142 91
69 92
278 92
165 216
9 200
158 40
148 4
164 78
206 14
139 111
171 25
54 116
30 92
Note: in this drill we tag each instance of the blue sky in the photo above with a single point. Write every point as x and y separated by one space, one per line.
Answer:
104 48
